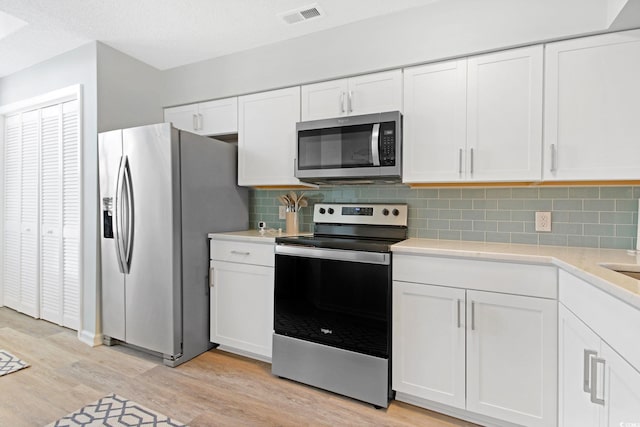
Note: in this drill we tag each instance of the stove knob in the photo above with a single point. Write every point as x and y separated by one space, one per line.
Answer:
385 211
330 211
395 212
321 210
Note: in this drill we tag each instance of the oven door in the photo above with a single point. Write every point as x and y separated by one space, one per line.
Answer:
339 298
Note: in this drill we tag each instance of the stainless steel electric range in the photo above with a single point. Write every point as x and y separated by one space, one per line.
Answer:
332 314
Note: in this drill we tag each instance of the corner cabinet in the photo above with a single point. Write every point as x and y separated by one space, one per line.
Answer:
476 339
592 109
369 93
475 119
219 117
267 137
241 280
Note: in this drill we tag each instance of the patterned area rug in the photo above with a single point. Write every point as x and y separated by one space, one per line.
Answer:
9 363
114 410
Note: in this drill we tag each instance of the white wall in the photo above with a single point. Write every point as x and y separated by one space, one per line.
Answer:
128 91
624 14
75 67
440 30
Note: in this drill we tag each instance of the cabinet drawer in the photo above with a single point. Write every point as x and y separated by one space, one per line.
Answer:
243 252
495 276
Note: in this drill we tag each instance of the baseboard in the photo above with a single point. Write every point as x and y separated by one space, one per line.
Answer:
89 338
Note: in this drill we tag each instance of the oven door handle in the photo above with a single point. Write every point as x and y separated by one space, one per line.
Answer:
334 254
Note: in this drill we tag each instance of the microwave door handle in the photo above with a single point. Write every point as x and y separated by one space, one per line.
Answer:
375 154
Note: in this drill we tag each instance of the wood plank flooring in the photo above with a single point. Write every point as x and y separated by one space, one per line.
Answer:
214 389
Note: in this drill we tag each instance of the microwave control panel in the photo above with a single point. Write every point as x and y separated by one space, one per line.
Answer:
387 144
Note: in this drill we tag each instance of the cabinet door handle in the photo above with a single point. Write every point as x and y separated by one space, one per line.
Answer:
459 324
200 121
473 315
240 253
554 159
341 102
594 380
211 277
460 162
586 376
350 102
471 161
195 122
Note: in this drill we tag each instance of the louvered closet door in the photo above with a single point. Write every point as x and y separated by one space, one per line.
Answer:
11 249
50 217
29 284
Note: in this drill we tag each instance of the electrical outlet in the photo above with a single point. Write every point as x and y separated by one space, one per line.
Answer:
262 225
543 221
282 212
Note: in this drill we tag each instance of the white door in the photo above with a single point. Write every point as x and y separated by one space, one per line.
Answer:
324 100
504 116
184 117
592 109
621 390
429 342
267 137
11 211
242 306
375 93
577 345
218 117
435 100
512 358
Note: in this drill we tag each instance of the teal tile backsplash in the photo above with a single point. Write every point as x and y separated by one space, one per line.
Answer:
604 217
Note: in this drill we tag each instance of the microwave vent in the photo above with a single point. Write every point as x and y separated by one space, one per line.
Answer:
301 14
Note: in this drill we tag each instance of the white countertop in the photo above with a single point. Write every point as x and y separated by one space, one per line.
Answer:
581 262
269 236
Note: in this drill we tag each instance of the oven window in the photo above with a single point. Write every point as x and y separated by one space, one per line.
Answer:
341 147
337 303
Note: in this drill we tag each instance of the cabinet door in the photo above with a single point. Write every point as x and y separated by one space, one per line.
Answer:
512 358
324 100
242 307
434 122
621 390
267 137
592 109
184 117
11 212
577 345
504 116
218 117
375 93
428 342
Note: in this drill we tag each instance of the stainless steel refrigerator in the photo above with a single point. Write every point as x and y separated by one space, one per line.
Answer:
161 191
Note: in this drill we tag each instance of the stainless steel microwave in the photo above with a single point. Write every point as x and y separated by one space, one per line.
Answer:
348 150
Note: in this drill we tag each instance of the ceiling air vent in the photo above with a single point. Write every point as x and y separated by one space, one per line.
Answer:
301 14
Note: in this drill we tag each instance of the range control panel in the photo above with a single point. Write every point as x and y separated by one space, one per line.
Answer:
365 213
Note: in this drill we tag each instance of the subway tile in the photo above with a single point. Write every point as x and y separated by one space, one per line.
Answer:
387 194
599 230
525 193
448 214
498 237
474 236
450 193
567 205
461 225
418 203
616 192
510 227
514 205
553 239
538 205
428 213
616 242
584 241
405 193
369 193
485 204
566 228
438 204
473 193
417 223
428 193
636 192
616 218
485 226
584 192
439 224
449 234
630 205
461 204
600 205
522 216
530 227
584 217
554 193
498 193
428 234
499 215
525 238
625 230
473 214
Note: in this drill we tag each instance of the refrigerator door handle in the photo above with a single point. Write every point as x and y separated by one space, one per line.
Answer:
118 215
128 244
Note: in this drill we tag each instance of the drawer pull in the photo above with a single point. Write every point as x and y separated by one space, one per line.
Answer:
594 380
211 277
586 376
240 253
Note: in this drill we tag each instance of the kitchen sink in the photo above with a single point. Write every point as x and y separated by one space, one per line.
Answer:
631 270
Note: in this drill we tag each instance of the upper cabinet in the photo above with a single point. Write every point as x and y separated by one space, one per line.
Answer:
592 109
475 119
217 117
370 93
267 137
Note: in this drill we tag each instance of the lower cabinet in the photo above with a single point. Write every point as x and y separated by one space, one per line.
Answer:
476 354
597 387
241 318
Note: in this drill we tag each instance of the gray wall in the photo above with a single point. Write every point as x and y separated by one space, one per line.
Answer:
75 67
128 91
439 30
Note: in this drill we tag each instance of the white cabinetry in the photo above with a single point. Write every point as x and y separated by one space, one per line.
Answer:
591 108
475 119
217 117
453 316
267 137
597 386
241 284
369 93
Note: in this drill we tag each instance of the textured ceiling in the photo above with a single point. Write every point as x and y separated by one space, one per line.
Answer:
169 33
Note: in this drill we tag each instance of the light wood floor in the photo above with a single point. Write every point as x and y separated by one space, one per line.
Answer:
214 389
